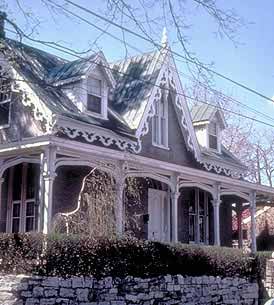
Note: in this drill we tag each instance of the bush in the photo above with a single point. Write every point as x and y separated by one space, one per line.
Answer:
81 256
20 252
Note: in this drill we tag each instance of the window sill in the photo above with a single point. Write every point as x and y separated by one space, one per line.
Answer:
214 150
5 126
161 146
96 115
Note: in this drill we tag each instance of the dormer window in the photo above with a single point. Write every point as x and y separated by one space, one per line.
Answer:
213 135
160 124
94 95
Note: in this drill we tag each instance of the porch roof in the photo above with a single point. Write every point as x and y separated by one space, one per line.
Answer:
88 152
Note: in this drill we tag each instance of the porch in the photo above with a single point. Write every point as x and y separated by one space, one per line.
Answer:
180 204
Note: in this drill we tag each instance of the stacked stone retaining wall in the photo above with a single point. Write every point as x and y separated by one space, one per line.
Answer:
166 290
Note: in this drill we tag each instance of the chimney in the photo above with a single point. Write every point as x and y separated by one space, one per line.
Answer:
3 16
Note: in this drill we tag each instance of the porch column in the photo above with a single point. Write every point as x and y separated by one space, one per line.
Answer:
216 202
119 175
174 215
48 175
119 209
239 210
1 207
252 208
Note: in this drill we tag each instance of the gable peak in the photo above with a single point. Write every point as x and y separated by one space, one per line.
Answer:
164 40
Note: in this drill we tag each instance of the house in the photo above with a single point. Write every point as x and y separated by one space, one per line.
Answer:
61 118
264 226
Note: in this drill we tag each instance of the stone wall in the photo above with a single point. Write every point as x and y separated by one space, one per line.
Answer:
166 290
268 281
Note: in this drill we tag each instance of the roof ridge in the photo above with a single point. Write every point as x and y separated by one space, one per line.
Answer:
131 57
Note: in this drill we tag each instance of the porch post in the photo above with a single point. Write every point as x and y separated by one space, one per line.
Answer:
119 207
252 208
174 209
239 211
216 202
48 175
1 207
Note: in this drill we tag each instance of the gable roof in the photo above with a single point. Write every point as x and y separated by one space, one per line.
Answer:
135 78
204 113
37 66
130 104
71 69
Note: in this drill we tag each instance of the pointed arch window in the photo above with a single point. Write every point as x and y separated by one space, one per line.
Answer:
160 123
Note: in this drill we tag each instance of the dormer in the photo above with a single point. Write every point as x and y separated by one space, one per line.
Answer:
87 82
208 122
96 96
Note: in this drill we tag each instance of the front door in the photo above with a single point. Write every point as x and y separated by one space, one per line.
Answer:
159 215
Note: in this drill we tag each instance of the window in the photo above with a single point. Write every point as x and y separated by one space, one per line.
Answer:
198 216
5 99
94 96
22 198
213 136
160 123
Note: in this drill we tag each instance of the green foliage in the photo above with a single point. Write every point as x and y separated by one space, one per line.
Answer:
20 253
65 256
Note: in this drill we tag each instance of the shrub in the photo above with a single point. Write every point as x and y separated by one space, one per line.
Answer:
20 252
77 255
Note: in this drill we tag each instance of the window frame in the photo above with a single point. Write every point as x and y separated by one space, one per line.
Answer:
209 134
23 201
196 215
6 101
104 97
157 122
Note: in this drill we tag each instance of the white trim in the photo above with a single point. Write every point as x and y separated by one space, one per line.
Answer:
91 133
69 146
9 114
157 103
103 96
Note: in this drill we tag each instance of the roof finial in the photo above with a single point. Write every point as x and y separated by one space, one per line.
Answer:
164 40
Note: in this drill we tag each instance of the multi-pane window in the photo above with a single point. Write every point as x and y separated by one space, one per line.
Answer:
160 123
22 197
213 136
94 95
192 216
198 216
5 101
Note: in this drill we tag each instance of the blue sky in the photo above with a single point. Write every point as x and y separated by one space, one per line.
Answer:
251 63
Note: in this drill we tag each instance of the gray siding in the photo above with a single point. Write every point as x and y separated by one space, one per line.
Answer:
177 152
22 124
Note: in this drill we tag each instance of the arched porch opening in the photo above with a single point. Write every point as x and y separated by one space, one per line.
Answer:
20 204
233 205
195 215
147 208
84 200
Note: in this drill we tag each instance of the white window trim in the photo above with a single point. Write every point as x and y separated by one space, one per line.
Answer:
218 130
23 204
9 118
104 97
155 144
